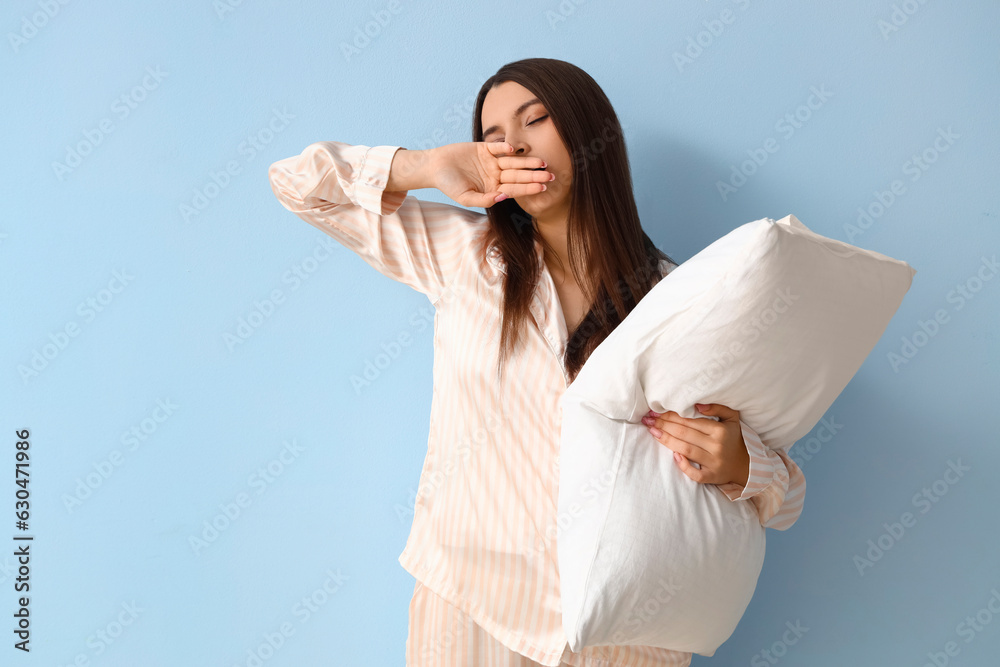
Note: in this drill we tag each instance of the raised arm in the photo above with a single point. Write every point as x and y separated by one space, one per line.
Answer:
343 190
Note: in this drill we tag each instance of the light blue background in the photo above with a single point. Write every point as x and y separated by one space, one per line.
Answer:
340 504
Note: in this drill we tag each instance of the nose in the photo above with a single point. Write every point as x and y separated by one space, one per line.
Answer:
520 147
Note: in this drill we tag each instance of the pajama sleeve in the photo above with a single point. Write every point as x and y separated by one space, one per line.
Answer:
340 189
776 485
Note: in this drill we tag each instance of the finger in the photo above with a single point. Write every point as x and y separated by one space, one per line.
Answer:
724 413
687 468
472 198
521 189
478 199
700 424
675 444
518 162
679 428
525 176
696 471
498 147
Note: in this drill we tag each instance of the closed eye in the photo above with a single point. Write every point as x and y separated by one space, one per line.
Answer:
537 120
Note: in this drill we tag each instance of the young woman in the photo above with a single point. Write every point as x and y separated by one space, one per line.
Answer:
522 296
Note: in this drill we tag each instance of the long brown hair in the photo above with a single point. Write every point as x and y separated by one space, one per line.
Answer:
610 256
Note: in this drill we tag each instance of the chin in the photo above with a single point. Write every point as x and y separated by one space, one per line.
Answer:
528 203
531 199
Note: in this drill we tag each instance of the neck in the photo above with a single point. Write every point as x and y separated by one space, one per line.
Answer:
553 227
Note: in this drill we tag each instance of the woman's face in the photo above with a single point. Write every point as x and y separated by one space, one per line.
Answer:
532 134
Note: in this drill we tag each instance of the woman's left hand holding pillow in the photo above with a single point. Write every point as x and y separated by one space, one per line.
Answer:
717 446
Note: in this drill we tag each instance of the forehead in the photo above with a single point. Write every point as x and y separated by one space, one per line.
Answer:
503 99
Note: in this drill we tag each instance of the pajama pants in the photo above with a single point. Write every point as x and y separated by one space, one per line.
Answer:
441 635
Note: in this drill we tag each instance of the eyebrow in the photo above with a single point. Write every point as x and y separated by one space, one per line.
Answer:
517 112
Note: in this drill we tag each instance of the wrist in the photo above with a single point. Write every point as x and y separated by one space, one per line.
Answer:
410 170
745 469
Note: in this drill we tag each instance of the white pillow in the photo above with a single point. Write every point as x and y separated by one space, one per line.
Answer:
772 320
